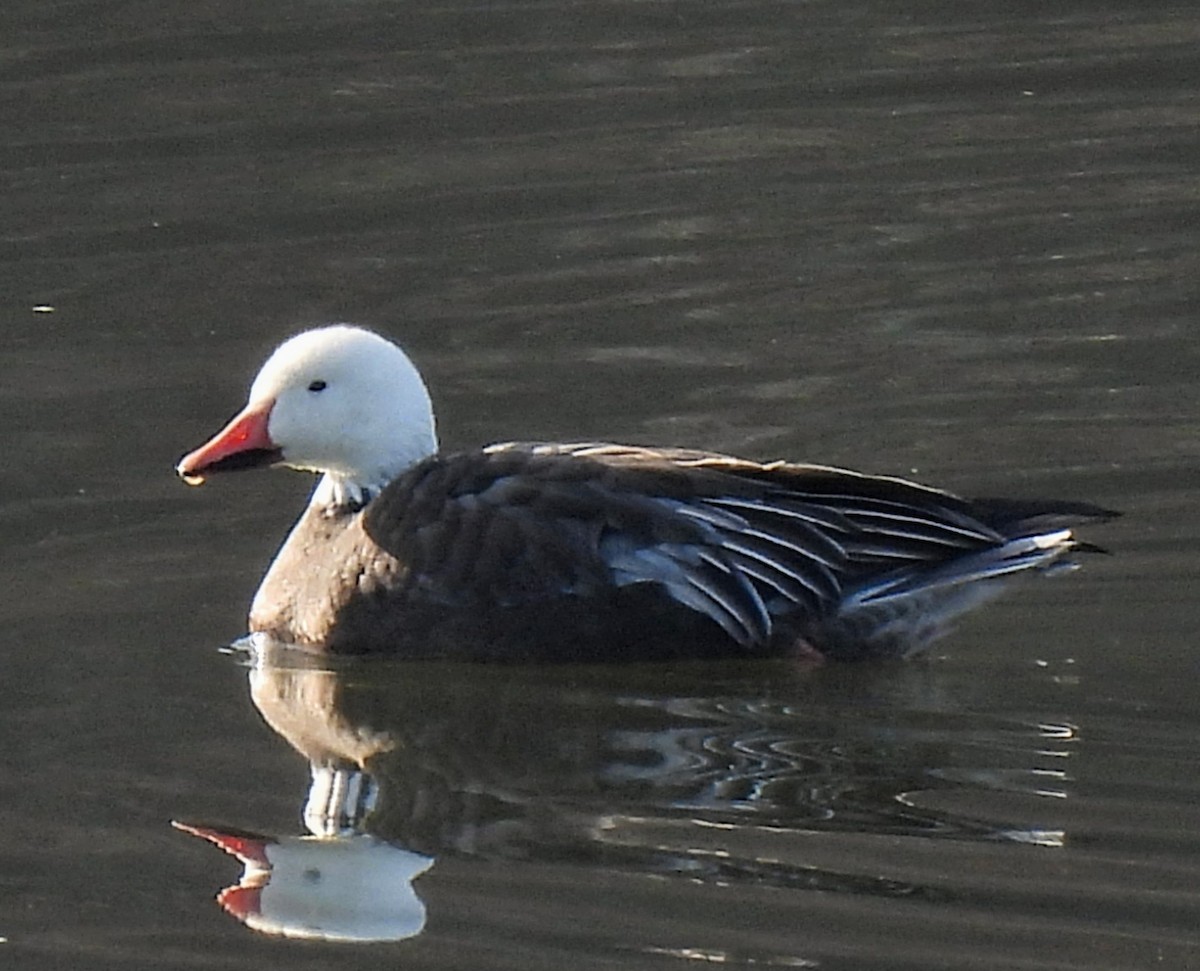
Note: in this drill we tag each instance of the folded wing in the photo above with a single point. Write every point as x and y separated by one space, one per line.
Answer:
740 542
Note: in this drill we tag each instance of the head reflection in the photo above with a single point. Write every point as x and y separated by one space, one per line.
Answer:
340 888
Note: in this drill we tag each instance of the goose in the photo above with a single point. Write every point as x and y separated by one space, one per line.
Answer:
593 551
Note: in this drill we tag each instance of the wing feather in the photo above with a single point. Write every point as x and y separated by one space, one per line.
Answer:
739 542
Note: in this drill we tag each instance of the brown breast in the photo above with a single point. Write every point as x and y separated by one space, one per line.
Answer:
325 567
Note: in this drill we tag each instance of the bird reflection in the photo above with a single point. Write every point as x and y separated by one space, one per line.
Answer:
610 766
344 888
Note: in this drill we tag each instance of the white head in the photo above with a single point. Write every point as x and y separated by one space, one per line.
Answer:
338 400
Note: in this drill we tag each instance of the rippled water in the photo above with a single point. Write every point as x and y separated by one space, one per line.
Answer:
943 241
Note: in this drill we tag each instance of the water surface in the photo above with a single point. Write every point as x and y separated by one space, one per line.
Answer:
942 241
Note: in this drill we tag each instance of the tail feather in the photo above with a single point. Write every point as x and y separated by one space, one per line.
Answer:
1023 517
902 613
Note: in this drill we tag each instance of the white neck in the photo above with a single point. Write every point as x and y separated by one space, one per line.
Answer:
335 493
351 488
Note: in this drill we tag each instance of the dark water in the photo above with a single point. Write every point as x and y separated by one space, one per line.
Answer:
936 239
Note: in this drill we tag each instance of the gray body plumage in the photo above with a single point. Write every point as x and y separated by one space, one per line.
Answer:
775 558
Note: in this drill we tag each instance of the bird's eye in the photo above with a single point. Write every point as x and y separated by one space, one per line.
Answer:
317 386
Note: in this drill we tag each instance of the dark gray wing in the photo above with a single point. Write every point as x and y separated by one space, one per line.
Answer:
738 541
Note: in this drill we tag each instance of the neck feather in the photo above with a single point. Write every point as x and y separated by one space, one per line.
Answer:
342 489
338 493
